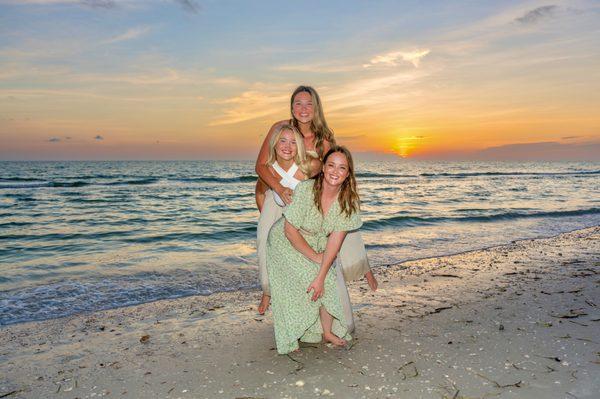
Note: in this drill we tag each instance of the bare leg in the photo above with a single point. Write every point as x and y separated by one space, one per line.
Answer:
371 280
326 323
259 193
264 303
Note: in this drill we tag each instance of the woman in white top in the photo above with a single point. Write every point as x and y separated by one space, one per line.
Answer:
288 164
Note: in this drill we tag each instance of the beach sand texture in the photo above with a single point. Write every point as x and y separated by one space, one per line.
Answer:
515 321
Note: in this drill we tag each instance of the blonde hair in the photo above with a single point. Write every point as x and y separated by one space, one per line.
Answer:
300 158
348 196
318 124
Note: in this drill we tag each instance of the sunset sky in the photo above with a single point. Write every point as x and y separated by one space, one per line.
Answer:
161 79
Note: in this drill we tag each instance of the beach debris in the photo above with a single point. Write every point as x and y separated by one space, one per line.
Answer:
555 358
144 338
5 395
299 383
408 370
445 275
438 310
578 323
573 313
592 304
299 366
497 385
501 327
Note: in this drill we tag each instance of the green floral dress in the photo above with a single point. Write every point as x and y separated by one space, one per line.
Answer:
295 316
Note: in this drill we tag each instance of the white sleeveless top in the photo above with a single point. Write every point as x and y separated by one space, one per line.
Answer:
287 180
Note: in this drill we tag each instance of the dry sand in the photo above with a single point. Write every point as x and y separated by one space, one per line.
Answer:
515 321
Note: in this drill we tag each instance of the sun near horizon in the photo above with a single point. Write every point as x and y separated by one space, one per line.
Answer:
193 80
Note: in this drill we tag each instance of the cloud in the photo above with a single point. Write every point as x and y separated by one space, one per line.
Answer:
317 67
252 104
189 6
98 137
53 140
106 4
350 138
364 156
130 34
392 58
536 15
547 150
570 137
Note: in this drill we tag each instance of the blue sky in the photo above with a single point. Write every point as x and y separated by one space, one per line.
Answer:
161 79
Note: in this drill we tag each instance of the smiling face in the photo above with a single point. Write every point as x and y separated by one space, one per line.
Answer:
302 107
335 169
286 147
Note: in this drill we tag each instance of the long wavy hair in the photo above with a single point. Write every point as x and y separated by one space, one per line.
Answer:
318 124
300 159
348 195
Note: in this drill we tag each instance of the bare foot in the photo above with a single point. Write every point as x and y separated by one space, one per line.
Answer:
264 304
371 280
334 339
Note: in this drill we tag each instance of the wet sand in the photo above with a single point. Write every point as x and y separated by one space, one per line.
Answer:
515 321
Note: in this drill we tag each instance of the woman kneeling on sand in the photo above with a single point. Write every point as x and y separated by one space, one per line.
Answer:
301 248
308 118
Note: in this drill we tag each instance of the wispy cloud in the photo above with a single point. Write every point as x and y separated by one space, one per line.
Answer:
189 6
536 14
130 34
53 140
106 4
98 137
350 138
393 58
257 102
317 67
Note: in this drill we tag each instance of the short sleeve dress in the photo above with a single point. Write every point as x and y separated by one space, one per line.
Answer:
295 316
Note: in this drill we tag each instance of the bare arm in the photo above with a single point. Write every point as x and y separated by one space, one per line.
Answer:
334 243
315 164
300 244
263 171
326 146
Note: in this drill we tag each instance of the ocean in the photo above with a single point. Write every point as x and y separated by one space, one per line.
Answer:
85 236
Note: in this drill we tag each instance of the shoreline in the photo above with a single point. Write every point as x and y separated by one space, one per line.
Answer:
431 321
257 287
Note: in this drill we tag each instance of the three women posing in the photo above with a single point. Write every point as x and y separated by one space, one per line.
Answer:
291 152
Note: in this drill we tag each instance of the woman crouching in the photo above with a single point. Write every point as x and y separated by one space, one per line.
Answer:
301 249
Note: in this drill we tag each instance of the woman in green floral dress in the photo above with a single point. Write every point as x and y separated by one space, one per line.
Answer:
301 249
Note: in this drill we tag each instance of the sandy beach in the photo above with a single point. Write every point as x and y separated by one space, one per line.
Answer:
514 321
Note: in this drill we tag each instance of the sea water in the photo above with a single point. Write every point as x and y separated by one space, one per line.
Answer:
84 236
